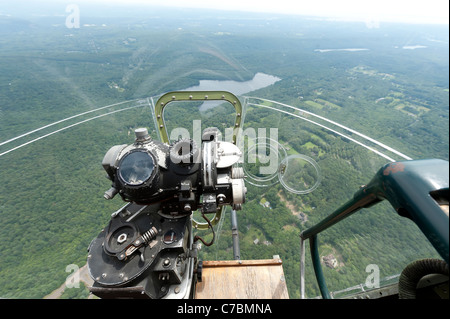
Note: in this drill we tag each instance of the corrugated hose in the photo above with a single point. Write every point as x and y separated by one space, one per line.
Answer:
411 275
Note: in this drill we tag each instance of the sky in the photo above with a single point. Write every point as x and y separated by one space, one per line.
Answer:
410 11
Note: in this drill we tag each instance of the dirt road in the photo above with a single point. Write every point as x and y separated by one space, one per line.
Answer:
83 276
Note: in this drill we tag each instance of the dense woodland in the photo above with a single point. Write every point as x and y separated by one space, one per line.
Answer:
51 195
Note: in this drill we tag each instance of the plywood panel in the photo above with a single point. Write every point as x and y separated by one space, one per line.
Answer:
245 279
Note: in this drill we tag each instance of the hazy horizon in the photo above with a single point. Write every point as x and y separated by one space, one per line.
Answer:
399 11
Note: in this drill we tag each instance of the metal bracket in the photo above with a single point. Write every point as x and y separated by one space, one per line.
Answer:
196 96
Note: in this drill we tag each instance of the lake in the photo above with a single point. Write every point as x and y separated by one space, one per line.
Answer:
259 81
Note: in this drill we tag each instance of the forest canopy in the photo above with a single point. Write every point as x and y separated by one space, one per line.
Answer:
51 195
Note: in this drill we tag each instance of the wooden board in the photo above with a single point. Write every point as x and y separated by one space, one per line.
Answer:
244 279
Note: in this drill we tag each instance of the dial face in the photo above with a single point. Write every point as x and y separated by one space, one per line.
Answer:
136 168
120 239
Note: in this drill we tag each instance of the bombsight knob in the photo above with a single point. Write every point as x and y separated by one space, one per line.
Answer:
141 134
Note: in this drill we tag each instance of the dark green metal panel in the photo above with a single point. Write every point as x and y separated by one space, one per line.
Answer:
408 186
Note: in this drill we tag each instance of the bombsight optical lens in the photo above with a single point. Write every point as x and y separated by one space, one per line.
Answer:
136 168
